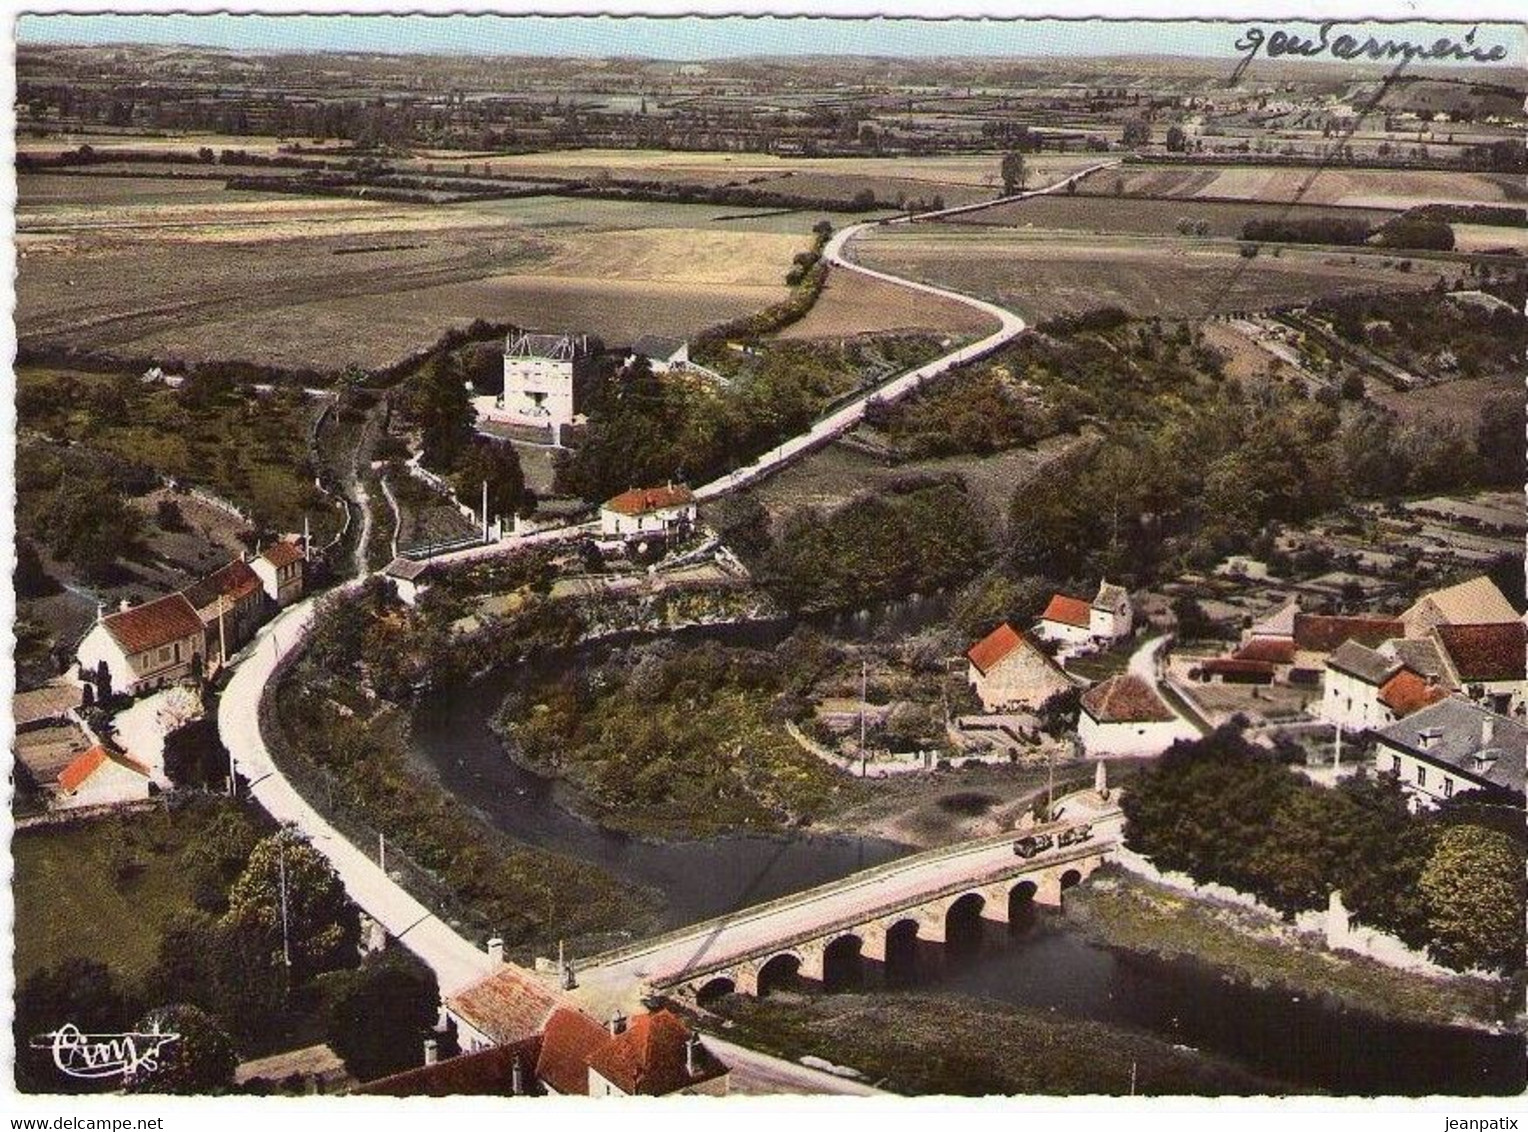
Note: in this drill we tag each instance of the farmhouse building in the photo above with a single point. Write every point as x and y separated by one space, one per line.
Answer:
653 1055
1125 716
504 1007
146 647
281 568
546 378
1451 747
1351 683
101 777
230 603
662 354
1076 624
664 511
1317 636
1486 662
1007 670
408 578
1477 601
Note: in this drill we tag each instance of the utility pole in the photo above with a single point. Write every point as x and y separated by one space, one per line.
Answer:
381 851
286 946
1337 750
485 510
222 630
864 669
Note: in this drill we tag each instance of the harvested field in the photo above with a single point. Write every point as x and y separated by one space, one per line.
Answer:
122 266
1246 361
1043 277
164 143
1489 237
1148 217
853 304
959 179
1273 185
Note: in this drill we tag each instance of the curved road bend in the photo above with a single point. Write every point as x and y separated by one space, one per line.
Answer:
455 961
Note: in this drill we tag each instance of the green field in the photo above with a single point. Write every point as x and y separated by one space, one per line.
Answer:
69 903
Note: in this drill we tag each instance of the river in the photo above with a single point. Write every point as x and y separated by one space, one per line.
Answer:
1309 1042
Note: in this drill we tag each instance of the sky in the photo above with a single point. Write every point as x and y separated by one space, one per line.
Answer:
690 37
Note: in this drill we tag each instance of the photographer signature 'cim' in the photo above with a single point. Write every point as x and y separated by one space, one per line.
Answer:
1348 48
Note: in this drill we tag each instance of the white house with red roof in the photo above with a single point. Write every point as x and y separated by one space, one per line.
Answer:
146 647
1486 662
281 568
667 510
1007 670
101 777
1076 624
1125 716
231 603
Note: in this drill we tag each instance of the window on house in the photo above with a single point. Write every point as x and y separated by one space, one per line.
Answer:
1421 775
1395 764
164 654
1448 787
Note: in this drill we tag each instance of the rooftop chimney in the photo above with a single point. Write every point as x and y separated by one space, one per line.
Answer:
517 1078
1487 730
496 950
692 1056
617 1023
431 1051
124 605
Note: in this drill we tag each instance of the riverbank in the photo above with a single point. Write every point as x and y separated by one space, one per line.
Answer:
1123 911
927 1044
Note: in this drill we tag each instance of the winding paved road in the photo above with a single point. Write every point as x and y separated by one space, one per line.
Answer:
455 960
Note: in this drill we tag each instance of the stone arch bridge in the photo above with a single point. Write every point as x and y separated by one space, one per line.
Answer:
891 923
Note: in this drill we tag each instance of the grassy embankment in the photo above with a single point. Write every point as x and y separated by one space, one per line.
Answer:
931 1044
1124 911
103 889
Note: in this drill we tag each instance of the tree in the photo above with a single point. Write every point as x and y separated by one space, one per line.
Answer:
322 928
200 1060
32 578
1175 139
90 525
167 515
439 402
1014 173
376 1017
1137 133
1474 891
498 465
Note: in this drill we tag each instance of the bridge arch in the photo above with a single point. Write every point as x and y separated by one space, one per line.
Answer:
963 925
781 971
1021 905
1071 879
843 963
715 988
902 953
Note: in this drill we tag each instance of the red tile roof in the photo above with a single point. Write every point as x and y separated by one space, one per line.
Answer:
1406 692
571 1038
487 1073
506 1006
1272 650
1237 666
1318 632
649 1057
642 500
1485 652
154 623
1067 611
73 776
282 553
236 581
1125 699
992 648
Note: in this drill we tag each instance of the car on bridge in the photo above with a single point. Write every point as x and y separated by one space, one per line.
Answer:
1033 845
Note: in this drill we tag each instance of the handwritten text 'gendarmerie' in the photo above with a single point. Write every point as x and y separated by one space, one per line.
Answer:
1362 47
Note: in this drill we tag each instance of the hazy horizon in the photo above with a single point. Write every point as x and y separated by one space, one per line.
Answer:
698 39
